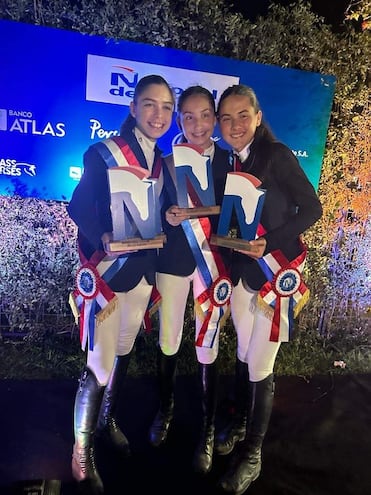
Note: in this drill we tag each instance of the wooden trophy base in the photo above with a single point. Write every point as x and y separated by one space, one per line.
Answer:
201 211
230 242
137 243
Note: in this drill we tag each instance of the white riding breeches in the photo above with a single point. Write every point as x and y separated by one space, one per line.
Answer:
174 291
115 336
253 329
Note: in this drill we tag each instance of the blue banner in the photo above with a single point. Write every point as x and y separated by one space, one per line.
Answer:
61 91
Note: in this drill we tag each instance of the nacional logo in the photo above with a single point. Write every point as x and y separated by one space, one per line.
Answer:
113 80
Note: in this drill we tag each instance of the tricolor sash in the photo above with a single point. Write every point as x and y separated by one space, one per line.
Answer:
212 293
212 304
93 300
285 293
115 151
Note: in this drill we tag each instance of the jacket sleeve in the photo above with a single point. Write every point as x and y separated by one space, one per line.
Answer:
89 207
301 198
169 188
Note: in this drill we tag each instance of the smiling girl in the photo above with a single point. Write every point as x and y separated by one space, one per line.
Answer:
128 276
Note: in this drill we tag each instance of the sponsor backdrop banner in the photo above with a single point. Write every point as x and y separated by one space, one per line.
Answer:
61 91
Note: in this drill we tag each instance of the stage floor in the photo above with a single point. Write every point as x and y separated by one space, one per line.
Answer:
319 441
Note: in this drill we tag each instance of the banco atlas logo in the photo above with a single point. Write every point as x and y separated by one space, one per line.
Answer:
24 122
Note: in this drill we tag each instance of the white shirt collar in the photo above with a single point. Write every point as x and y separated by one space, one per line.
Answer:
210 151
147 145
244 153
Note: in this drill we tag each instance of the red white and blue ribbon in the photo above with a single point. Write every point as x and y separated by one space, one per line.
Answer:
116 152
93 300
285 293
212 304
153 305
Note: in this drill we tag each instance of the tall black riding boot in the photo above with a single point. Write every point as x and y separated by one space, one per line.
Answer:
107 428
235 431
203 457
166 369
87 404
246 465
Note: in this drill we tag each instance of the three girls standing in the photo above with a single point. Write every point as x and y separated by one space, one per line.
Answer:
290 207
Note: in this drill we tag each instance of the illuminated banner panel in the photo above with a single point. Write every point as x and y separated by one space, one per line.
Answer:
61 91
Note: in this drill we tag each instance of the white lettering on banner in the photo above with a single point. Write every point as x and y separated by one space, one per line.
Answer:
29 126
113 80
13 171
98 131
9 166
20 113
300 153
7 161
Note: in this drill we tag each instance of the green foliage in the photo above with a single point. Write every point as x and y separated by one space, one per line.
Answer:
37 256
53 356
190 25
310 353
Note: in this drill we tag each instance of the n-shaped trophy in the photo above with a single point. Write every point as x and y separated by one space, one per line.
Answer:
135 210
194 178
244 198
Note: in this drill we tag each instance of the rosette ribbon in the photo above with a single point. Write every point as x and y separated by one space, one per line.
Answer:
284 294
91 301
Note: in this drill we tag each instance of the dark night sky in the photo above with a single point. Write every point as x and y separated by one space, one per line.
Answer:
331 10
